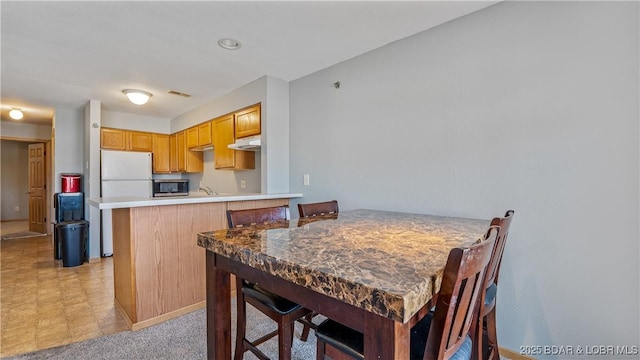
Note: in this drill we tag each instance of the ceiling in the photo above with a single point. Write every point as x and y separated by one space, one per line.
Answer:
62 54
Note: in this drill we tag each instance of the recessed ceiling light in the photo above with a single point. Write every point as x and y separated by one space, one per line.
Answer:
16 114
229 44
138 97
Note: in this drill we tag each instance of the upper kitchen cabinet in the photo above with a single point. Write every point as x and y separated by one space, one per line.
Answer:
188 161
113 139
247 122
129 140
140 141
191 137
199 137
205 137
224 157
161 153
173 152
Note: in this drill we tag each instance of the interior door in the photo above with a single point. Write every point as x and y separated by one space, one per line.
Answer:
37 188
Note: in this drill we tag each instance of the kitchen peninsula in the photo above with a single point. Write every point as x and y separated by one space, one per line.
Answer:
159 269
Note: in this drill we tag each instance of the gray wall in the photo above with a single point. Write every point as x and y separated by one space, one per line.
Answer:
531 106
272 169
68 128
14 179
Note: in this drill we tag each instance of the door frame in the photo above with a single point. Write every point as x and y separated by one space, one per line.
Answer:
48 177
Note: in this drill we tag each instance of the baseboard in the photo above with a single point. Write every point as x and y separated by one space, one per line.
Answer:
513 355
123 313
158 319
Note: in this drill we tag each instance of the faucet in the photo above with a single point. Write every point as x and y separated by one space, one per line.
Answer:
208 190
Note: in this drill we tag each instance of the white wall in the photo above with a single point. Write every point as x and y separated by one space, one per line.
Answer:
531 106
120 120
11 129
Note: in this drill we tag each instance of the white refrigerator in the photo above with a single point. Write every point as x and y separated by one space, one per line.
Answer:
123 174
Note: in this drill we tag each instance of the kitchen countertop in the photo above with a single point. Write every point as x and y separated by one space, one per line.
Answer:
194 198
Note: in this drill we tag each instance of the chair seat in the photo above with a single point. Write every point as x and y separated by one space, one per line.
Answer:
279 304
342 337
351 342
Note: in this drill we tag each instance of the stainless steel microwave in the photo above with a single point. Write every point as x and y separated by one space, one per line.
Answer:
170 187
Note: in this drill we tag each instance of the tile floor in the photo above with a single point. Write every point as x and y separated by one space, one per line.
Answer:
43 304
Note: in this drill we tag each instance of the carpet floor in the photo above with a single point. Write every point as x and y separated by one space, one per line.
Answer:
180 338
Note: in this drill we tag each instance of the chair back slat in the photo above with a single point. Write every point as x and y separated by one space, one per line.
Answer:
496 258
258 217
458 299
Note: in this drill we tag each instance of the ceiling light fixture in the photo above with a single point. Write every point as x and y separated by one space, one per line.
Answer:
229 44
138 97
16 114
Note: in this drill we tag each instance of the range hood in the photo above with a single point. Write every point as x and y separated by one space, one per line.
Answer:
251 143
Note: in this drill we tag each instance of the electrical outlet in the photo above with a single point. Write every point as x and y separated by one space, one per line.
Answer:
17 208
306 179
243 183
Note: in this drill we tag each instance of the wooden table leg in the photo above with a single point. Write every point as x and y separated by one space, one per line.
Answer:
218 311
385 338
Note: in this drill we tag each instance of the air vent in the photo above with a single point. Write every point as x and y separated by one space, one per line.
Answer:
173 92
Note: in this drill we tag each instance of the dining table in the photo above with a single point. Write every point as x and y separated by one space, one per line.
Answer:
372 270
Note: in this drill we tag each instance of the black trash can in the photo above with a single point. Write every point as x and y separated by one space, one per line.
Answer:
72 236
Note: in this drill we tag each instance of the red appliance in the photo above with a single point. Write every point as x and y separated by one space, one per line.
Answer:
71 183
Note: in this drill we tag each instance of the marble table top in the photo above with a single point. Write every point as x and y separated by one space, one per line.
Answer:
388 263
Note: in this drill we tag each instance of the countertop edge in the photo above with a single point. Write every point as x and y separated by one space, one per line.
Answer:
130 202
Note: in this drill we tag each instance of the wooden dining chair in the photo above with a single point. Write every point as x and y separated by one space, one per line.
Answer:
487 343
279 309
311 212
443 334
319 208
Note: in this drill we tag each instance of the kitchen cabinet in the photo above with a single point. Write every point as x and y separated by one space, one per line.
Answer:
181 148
247 122
199 136
205 137
139 141
128 140
173 152
159 272
191 136
225 158
113 139
188 161
161 153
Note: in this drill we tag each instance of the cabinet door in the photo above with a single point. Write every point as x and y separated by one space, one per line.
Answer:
188 161
224 157
181 151
192 137
223 136
161 153
204 134
140 141
114 139
173 152
247 122
194 161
